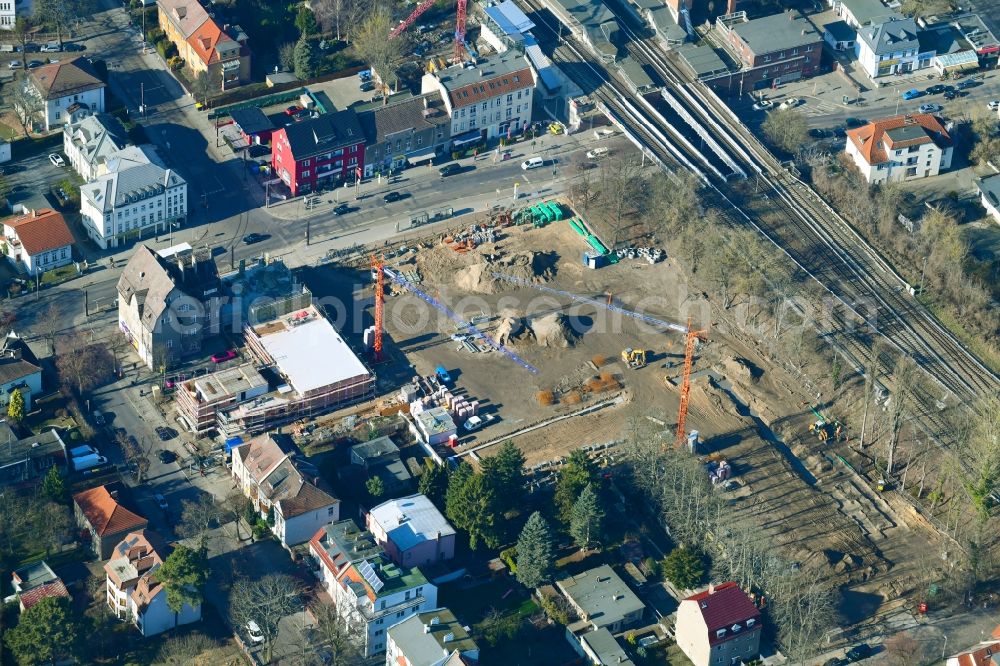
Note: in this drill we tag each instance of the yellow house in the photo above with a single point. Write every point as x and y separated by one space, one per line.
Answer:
204 46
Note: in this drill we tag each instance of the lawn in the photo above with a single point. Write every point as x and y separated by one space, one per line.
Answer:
58 275
472 604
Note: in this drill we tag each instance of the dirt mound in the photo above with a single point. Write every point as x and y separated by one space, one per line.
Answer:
512 332
531 266
740 370
553 330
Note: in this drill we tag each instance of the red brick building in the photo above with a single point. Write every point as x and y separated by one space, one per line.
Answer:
319 153
772 50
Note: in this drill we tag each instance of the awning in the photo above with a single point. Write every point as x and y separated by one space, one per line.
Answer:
421 155
469 137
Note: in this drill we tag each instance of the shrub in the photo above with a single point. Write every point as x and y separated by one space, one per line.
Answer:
554 611
598 360
509 557
546 398
572 398
155 36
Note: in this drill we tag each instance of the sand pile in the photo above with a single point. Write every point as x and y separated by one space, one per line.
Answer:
512 332
530 266
740 370
553 330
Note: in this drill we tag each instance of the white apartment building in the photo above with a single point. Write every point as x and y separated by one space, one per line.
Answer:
65 87
900 148
11 9
133 203
368 590
492 99
90 141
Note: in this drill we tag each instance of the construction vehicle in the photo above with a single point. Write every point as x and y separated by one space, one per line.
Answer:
634 358
825 429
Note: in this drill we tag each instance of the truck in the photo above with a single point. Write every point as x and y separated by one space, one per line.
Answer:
81 451
442 375
476 422
86 462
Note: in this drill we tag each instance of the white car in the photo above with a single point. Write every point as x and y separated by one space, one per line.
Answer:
790 103
56 160
597 153
763 105
532 163
603 133
161 501
994 105
15 64
930 108
50 48
254 633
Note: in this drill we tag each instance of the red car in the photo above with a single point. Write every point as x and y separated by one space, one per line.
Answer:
292 110
222 357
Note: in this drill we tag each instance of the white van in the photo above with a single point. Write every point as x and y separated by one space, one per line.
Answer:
532 163
597 153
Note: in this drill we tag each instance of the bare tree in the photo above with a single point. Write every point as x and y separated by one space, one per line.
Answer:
191 648
983 455
374 47
787 129
265 601
803 611
82 365
329 14
48 323
342 642
903 649
286 56
903 377
199 517
22 32
872 373
26 104
622 188
235 507
135 452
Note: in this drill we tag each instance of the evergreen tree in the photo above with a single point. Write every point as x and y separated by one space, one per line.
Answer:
47 632
504 474
183 575
15 408
683 568
305 59
434 482
586 518
576 474
53 486
305 21
534 552
375 487
471 505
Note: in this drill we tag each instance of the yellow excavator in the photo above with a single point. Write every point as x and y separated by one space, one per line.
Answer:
634 358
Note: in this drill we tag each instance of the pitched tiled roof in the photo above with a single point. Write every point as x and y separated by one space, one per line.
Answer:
488 85
326 133
41 230
416 113
13 369
67 77
105 514
870 139
54 589
985 654
724 606
186 15
206 39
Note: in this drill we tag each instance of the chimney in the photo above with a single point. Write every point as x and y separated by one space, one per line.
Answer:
711 588
481 73
427 628
426 102
449 637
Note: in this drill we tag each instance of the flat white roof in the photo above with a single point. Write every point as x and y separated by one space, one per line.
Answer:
410 521
309 351
180 248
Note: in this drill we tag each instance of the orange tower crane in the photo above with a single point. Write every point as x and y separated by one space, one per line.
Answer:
379 269
691 339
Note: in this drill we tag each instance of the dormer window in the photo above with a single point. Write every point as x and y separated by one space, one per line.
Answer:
720 633
735 628
751 622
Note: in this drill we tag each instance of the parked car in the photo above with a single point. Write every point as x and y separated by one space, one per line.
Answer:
161 501
968 83
367 85
365 75
912 93
254 633
597 153
859 652
57 160
763 105
292 110
80 451
603 133
818 133
855 122
250 239
342 209
98 417
994 104
532 163
442 375
88 462
950 94
302 114
393 196
222 357
14 64
930 108
936 89
35 63
73 47
51 47
790 103
836 661
474 423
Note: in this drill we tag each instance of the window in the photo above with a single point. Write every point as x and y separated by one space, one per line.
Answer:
795 52
379 632
382 605
510 99
420 591
751 622
329 511
380 620
400 613
509 113
719 633
767 58
305 174
305 162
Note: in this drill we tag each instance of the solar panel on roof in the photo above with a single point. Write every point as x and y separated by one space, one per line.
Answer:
366 570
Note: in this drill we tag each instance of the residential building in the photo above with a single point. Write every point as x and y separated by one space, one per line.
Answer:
127 204
431 638
319 153
100 512
284 337
11 9
19 369
602 599
222 53
369 591
719 626
132 591
989 195
987 653
268 472
434 426
89 141
254 125
772 50
491 100
858 13
200 399
35 582
900 148
37 241
24 462
65 86
380 457
160 303
411 131
600 648
412 531
891 47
